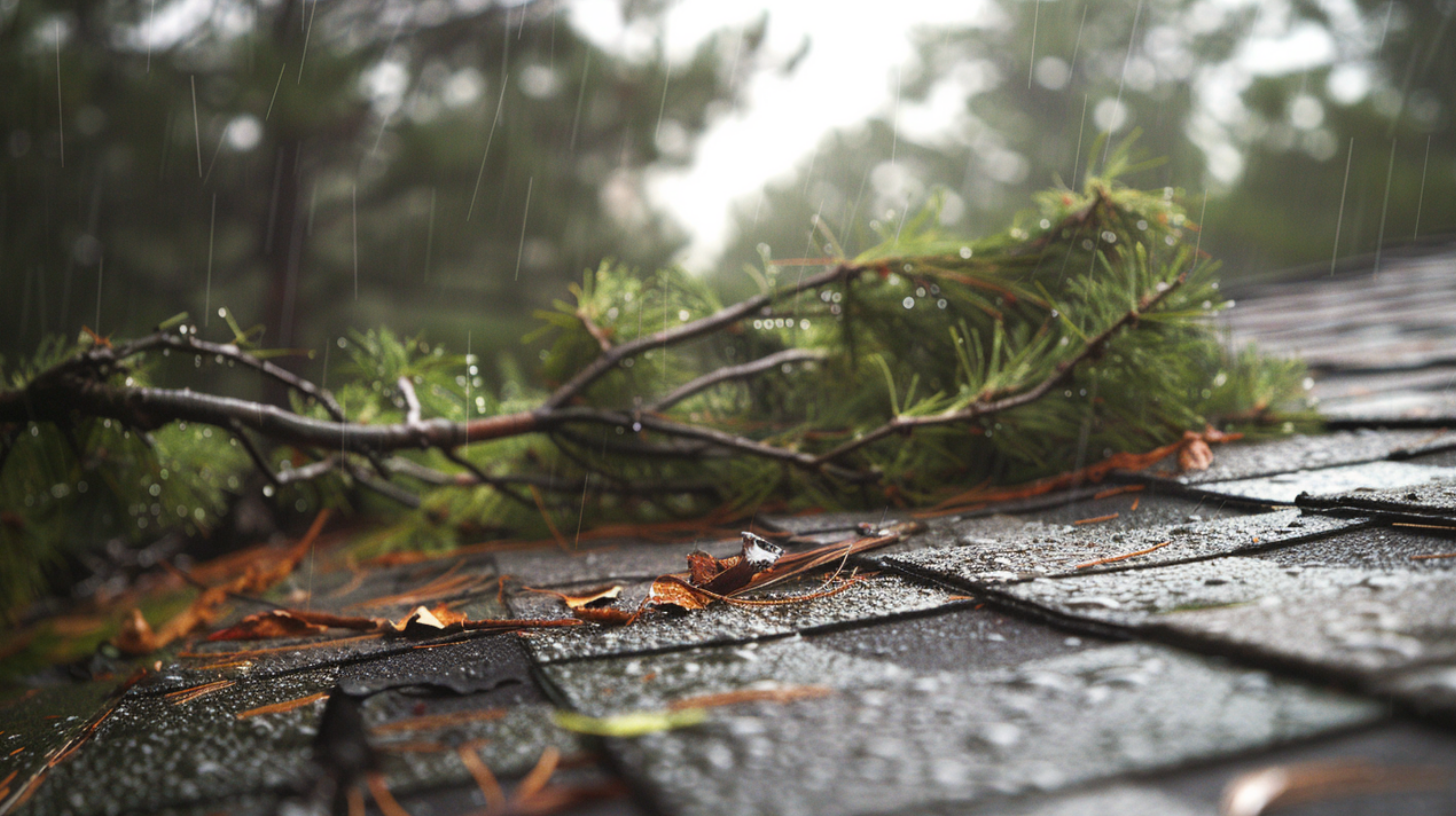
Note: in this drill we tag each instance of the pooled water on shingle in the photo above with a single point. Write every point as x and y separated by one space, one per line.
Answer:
893 741
153 752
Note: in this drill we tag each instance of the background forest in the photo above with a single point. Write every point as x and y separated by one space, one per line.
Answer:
450 165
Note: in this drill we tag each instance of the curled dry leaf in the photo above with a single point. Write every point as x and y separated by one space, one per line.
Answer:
136 636
675 591
278 623
761 564
419 623
589 598
264 625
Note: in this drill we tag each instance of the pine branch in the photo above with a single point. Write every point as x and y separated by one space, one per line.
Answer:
983 408
728 315
935 336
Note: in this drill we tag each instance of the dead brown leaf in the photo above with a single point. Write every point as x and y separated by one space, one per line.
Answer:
421 622
673 590
761 564
596 597
265 625
136 636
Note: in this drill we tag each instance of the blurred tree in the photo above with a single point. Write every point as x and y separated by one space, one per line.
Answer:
1255 103
319 165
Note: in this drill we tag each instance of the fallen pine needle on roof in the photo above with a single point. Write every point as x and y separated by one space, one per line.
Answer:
430 721
1433 556
539 775
495 800
1097 519
1123 557
786 694
187 695
382 797
277 708
1118 491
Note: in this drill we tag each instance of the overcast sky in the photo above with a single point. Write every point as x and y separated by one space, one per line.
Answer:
848 75
851 72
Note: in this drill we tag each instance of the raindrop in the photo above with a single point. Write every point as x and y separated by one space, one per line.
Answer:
965 252
268 490
909 302
941 303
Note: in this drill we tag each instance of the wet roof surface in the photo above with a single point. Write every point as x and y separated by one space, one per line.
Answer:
1149 646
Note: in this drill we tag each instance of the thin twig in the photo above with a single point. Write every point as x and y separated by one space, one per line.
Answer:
408 389
688 331
981 408
387 489
737 372
481 477
597 333
232 352
253 453
308 472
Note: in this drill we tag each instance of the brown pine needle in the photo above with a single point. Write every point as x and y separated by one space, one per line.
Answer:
1118 491
286 705
187 695
774 695
233 658
354 583
429 721
545 516
1134 504
1445 527
1432 556
1123 557
539 775
382 797
356 802
1097 519
495 800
